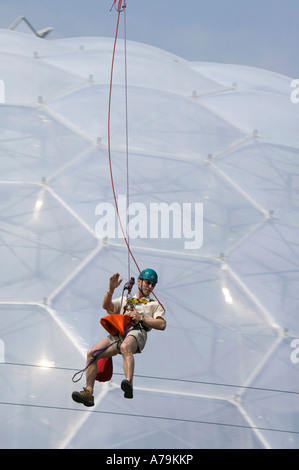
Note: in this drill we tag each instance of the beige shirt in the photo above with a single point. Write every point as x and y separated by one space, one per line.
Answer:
146 306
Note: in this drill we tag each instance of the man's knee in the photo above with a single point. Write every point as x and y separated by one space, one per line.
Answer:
92 353
89 354
125 349
128 346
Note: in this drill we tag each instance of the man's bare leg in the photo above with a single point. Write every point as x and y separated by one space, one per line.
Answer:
92 370
128 348
86 396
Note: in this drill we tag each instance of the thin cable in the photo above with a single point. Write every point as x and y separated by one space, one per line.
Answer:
121 8
163 418
195 382
127 137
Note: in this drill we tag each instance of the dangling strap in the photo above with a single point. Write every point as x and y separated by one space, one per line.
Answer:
95 355
98 352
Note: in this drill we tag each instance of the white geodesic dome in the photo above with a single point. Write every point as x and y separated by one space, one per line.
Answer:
224 374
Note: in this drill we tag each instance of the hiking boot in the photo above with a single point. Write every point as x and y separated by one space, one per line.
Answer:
85 397
127 387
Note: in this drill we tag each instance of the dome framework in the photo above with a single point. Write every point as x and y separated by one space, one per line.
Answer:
222 375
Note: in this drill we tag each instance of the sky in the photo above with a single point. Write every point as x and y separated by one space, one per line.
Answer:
258 33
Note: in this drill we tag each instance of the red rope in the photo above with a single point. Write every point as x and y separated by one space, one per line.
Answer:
127 136
120 8
121 5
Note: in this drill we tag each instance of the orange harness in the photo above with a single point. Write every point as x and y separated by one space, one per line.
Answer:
116 324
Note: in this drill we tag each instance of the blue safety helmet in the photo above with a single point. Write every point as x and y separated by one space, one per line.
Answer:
149 275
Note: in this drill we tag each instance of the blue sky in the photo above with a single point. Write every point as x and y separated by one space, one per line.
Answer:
259 33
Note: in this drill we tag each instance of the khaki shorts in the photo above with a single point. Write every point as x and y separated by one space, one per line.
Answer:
139 335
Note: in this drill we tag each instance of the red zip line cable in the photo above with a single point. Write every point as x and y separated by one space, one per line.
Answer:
121 8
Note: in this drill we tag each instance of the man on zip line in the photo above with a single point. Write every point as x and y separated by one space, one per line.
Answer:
145 313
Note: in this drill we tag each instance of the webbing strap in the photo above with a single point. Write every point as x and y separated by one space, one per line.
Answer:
98 352
95 356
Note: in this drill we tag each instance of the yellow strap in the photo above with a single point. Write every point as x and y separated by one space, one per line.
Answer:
139 301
